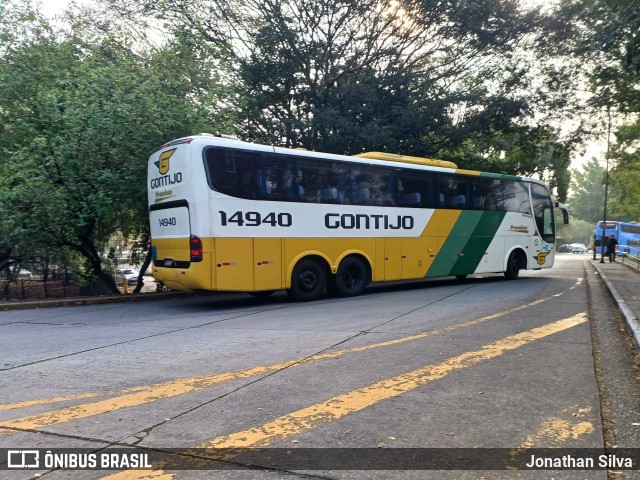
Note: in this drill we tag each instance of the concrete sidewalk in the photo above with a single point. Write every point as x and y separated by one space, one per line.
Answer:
623 283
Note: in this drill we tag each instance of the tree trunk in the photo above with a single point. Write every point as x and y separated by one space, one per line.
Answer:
88 250
143 268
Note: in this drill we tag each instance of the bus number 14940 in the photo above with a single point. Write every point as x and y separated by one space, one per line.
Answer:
167 222
255 219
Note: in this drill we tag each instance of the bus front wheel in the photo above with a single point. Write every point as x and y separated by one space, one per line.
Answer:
351 278
513 266
308 280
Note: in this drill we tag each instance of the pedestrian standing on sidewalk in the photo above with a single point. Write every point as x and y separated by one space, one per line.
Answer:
612 243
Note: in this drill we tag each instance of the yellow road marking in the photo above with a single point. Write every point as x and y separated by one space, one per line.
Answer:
31 403
553 433
141 395
558 430
339 406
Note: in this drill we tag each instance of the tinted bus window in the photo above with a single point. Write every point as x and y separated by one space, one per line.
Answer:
493 194
232 172
372 186
416 189
275 179
516 197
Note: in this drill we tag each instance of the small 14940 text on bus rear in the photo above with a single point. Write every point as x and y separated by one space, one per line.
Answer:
167 222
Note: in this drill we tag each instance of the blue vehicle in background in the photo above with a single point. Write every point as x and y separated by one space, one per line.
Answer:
627 234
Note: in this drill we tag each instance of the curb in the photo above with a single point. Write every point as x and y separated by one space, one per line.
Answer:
70 302
629 317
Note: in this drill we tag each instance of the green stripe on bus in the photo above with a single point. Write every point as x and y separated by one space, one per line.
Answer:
478 244
455 243
500 176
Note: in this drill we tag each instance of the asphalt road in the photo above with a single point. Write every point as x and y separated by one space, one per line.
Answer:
486 363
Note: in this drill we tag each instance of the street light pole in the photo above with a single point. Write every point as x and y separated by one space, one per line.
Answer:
606 188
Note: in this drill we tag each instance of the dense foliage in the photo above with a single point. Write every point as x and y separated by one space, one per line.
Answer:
78 118
492 84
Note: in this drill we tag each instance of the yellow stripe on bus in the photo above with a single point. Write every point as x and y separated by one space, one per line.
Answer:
441 223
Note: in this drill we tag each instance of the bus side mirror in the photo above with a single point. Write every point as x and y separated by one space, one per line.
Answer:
565 212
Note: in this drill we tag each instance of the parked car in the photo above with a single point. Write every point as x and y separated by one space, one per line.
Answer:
565 248
24 273
131 276
578 248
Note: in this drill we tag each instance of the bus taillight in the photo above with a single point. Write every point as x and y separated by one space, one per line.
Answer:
196 249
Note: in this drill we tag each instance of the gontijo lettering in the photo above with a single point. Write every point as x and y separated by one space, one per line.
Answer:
361 221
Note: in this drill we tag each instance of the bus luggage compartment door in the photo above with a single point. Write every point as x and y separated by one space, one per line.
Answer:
233 264
392 258
267 263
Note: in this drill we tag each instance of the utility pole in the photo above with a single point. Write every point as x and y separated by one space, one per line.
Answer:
606 187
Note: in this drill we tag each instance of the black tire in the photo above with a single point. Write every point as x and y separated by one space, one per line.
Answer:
461 277
513 266
308 280
351 278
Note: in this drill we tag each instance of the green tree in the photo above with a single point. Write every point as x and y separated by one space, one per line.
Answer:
437 78
78 119
625 205
587 198
518 150
604 37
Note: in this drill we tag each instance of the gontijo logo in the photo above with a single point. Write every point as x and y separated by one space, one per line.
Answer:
541 257
163 163
163 167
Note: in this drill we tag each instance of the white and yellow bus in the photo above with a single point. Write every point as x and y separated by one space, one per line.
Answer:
237 216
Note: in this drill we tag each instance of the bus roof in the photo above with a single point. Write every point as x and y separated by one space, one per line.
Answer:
380 158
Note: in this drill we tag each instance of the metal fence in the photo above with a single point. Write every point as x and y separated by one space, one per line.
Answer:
632 258
32 289
37 289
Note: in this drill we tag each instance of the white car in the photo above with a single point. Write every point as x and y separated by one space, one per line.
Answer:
578 248
24 273
130 275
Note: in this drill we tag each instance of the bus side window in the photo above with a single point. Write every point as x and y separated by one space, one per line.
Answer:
245 173
231 173
516 197
318 182
477 194
379 181
451 193
415 189
272 178
492 193
291 183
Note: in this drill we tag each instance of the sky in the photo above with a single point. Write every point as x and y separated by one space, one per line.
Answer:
51 8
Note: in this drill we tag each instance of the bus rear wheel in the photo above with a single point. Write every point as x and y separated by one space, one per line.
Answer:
308 280
351 278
